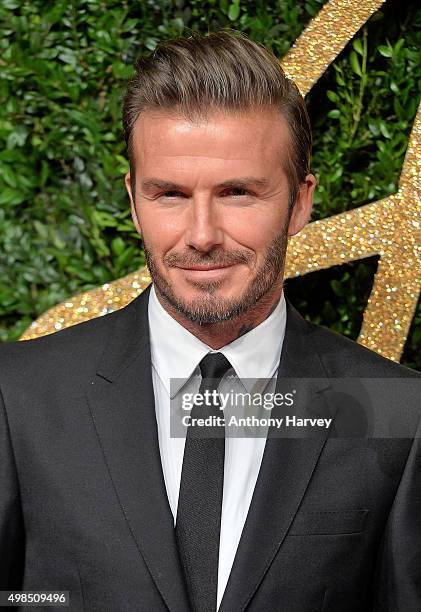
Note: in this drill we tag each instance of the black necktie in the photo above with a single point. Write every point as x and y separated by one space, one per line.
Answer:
200 499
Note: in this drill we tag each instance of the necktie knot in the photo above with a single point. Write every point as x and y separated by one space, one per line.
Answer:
214 366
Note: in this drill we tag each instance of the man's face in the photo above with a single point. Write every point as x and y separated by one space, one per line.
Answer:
211 204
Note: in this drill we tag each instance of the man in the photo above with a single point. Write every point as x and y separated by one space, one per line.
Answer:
97 497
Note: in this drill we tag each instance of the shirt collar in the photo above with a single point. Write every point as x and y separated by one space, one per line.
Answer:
176 352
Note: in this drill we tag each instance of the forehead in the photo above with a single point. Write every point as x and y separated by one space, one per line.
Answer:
259 138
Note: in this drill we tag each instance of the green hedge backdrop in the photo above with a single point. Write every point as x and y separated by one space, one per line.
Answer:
65 223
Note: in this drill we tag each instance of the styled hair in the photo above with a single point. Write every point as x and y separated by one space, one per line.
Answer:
222 70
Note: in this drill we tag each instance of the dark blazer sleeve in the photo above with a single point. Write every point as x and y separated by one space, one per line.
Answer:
12 534
397 585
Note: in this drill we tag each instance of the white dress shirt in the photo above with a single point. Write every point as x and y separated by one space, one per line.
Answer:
176 354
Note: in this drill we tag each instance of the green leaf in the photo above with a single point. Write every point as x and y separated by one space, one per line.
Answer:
311 10
394 87
385 51
11 4
18 137
223 5
358 47
355 64
118 245
103 219
122 164
336 174
373 127
7 174
41 229
122 71
126 257
332 95
334 114
150 43
234 11
11 196
385 130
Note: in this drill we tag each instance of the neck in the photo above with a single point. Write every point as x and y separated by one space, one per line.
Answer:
217 335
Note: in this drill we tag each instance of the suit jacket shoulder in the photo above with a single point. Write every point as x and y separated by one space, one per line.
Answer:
72 353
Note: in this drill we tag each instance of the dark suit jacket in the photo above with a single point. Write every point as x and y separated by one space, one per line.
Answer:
334 523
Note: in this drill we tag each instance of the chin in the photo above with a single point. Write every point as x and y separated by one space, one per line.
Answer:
207 290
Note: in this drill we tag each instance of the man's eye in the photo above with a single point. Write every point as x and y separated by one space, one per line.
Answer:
237 191
172 194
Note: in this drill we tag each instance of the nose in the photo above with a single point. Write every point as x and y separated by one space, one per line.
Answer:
204 230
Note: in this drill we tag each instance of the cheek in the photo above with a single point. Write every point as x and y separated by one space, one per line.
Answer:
161 230
253 230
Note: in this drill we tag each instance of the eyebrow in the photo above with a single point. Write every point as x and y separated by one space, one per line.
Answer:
151 183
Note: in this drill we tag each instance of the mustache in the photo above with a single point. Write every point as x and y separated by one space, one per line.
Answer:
216 258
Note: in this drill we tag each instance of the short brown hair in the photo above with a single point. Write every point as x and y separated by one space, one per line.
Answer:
222 70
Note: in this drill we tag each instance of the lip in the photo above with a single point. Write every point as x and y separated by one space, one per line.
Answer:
201 268
206 271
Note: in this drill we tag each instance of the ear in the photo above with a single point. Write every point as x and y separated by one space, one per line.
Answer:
303 205
134 212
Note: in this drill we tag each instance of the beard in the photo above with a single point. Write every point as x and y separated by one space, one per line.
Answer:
209 308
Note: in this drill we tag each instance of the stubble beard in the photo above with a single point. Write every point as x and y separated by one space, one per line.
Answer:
209 308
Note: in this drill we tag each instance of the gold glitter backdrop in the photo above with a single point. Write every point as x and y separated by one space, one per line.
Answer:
389 228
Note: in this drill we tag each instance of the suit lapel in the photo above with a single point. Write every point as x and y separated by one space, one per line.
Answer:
286 468
121 400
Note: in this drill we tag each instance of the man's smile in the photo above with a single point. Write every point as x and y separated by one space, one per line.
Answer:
205 272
